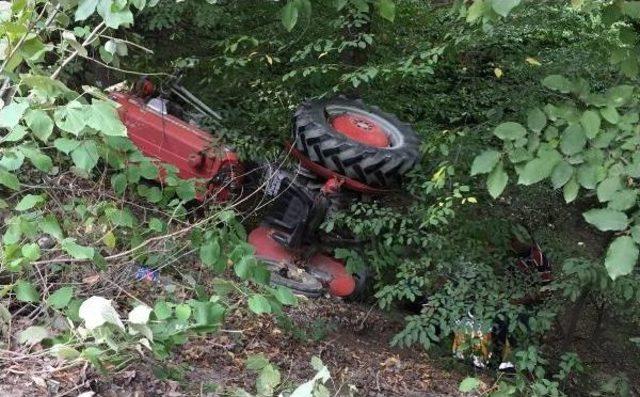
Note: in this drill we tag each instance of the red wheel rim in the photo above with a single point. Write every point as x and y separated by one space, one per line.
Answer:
361 129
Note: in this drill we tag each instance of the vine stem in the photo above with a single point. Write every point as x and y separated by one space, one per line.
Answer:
95 33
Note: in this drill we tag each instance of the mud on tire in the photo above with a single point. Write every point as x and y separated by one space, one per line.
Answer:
379 165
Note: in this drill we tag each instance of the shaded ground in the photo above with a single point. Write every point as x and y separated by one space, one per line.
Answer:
351 339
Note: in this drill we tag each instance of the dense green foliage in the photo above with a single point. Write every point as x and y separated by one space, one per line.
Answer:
528 112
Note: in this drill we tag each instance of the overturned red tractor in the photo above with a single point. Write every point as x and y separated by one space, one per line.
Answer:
342 146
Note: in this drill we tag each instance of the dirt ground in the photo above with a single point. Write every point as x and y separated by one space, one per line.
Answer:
351 339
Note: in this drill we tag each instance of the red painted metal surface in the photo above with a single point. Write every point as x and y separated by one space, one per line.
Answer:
361 129
195 153
328 174
329 271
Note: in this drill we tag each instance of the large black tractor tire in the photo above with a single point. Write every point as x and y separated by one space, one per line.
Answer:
377 165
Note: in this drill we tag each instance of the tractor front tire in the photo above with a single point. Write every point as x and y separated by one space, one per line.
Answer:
355 140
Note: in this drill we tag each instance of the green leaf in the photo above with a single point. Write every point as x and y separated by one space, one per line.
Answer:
620 95
610 114
162 310
259 304
17 134
484 162
256 362
539 168
119 183
50 226
285 296
606 219
476 10
558 83
26 292
536 119
61 298
112 15
66 145
148 170
289 15
243 268
608 188
573 140
267 381
561 174
497 181
104 118
9 180
40 124
210 254
510 131
621 258
77 251
186 190
39 160
29 201
11 114
31 251
33 335
64 352
85 156
387 9
183 312
588 176
504 7
85 9
590 121
631 8
70 118
623 200
469 384
13 159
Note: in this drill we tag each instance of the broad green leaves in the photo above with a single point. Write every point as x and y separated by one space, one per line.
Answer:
561 174
585 144
98 311
558 83
28 202
536 120
497 181
590 121
290 15
259 304
504 7
85 156
573 140
26 292
510 131
539 168
622 256
40 124
103 118
485 162
85 9
60 298
9 180
607 219
210 256
11 114
610 114
76 250
469 384
387 9
33 335
115 13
